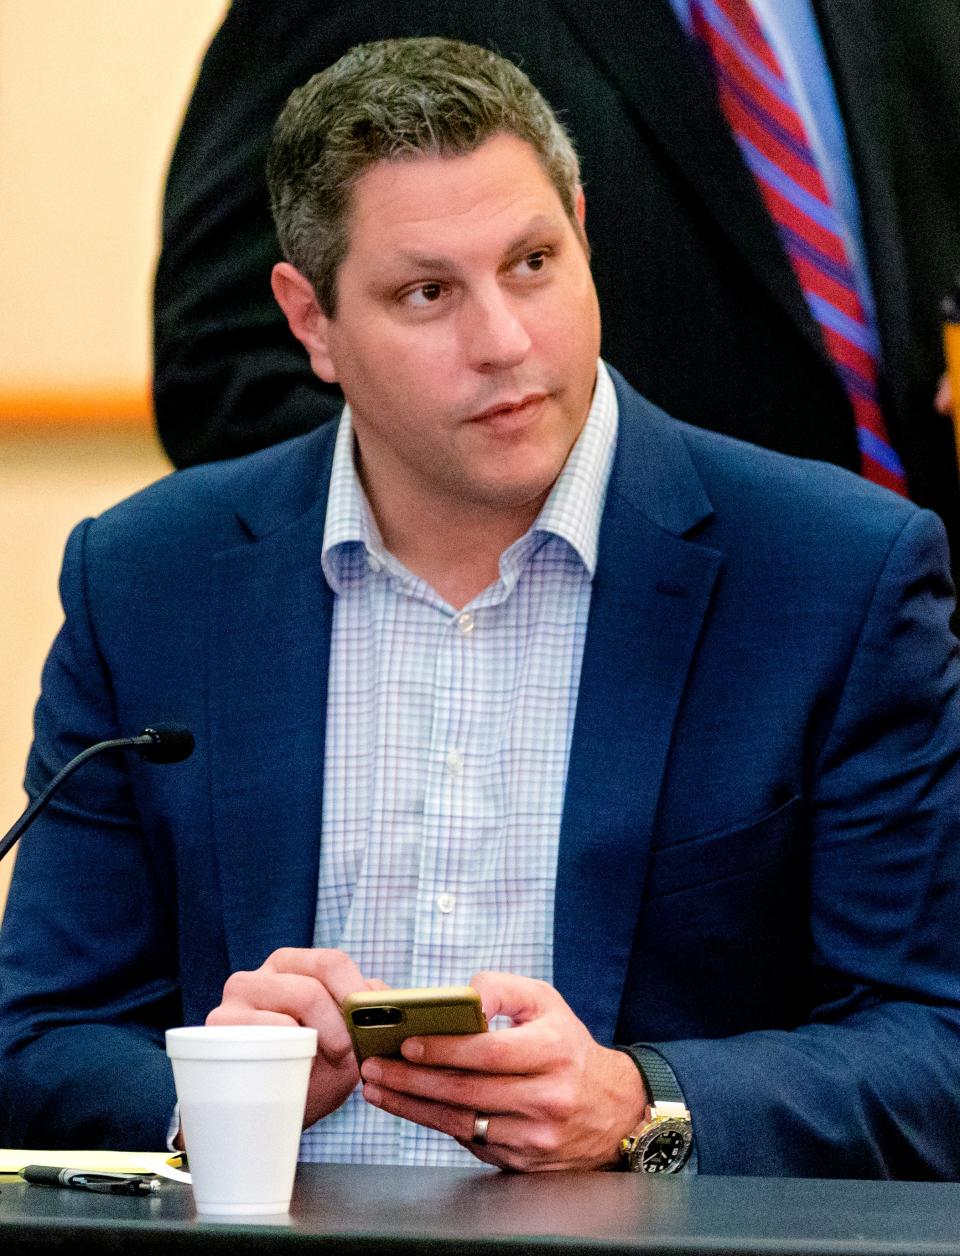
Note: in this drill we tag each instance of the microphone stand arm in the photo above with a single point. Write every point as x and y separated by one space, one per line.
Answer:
13 836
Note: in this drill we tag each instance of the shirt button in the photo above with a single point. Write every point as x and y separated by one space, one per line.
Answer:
445 903
373 563
454 761
465 622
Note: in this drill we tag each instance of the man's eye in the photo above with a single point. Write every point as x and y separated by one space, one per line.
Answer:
534 261
425 294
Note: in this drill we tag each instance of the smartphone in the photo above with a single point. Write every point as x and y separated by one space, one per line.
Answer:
379 1020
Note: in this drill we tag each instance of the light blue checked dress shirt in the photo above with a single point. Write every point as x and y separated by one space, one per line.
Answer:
448 736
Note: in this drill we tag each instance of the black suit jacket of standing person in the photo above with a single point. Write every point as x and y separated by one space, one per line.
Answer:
702 312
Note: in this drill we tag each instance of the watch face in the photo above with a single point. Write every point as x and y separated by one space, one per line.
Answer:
667 1148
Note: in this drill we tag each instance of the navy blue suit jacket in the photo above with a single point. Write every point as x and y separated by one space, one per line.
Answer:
759 864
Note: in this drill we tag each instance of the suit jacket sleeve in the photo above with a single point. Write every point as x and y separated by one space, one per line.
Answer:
88 947
870 1085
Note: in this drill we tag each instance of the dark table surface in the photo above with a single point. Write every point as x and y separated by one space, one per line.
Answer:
391 1211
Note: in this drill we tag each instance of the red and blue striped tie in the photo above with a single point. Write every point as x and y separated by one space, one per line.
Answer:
755 96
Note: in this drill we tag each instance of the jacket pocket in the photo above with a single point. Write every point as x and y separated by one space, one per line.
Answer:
699 861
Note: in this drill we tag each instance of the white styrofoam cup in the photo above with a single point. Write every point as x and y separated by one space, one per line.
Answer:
242 1091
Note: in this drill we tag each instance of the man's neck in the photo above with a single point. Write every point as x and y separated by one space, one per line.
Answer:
458 555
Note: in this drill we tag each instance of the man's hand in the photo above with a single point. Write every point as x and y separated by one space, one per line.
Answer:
943 402
303 987
555 1098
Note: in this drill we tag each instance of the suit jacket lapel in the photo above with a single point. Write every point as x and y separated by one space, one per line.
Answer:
650 594
269 648
656 68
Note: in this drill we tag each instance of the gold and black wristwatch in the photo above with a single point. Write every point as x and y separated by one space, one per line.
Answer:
662 1143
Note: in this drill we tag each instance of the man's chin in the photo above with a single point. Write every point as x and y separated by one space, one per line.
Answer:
508 495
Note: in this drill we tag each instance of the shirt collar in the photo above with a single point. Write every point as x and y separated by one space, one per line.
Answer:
574 507
571 512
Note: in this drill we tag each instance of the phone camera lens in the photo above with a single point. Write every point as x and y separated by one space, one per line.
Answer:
375 1017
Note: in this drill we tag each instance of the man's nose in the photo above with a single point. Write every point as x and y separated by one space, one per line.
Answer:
494 331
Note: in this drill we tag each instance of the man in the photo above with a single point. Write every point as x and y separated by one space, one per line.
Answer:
514 674
703 312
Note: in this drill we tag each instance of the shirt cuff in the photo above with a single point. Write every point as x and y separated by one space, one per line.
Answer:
173 1129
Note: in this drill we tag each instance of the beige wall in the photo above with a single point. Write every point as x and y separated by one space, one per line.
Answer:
90 95
91 92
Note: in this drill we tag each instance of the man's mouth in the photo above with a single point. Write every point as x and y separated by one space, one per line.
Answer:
511 413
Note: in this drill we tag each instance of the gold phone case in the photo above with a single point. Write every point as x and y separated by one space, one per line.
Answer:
379 1020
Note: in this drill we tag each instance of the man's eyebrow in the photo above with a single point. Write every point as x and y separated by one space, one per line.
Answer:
437 262
536 226
425 261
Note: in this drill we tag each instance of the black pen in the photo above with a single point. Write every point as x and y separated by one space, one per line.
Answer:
98 1183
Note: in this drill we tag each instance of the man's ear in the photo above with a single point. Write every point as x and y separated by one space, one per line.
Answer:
298 300
580 218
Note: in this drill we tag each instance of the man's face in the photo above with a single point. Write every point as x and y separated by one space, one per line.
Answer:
467 331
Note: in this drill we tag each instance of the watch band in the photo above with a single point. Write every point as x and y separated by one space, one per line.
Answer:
664 1141
659 1077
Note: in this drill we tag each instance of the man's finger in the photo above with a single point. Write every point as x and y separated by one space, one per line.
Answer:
484 1092
334 969
302 999
944 398
522 1051
504 1131
520 998
252 1016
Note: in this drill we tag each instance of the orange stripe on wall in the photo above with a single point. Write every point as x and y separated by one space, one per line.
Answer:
105 407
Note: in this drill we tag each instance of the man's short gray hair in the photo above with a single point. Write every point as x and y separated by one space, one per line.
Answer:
388 101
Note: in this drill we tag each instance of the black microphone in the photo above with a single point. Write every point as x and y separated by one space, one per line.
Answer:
166 743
